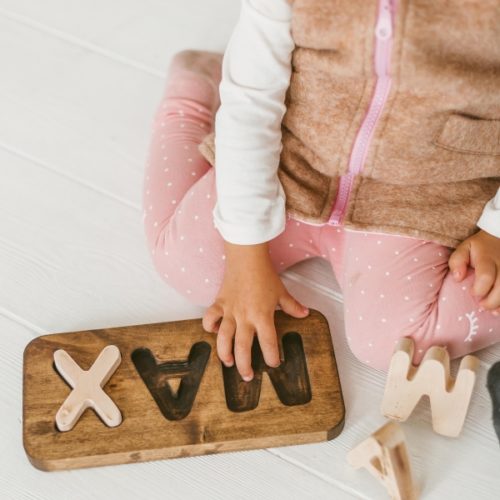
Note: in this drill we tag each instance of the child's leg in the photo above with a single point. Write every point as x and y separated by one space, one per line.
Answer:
399 286
176 174
179 197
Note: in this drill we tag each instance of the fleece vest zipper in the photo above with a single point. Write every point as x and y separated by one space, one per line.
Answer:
383 44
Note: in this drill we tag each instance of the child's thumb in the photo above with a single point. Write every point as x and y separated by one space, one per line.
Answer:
293 307
459 261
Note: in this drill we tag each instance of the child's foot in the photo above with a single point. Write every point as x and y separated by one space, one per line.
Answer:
202 62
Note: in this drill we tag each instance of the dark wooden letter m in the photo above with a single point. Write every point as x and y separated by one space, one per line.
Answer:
290 380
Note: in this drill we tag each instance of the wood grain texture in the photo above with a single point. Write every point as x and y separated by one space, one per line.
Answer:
449 397
385 455
208 427
87 387
80 83
197 478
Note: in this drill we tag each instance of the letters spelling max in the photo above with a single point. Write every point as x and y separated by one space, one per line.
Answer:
290 381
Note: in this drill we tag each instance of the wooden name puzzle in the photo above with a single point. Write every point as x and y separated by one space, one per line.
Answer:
385 455
449 398
149 392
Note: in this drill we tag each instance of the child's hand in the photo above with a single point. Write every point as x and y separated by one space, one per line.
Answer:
482 252
245 304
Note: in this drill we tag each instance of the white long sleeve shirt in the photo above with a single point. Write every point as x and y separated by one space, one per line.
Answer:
256 72
490 218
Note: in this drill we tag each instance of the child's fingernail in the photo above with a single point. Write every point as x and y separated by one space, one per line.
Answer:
456 274
247 378
496 313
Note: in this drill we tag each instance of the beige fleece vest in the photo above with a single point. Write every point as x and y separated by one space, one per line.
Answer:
433 160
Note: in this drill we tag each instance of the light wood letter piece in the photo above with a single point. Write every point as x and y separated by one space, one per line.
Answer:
384 454
449 398
87 388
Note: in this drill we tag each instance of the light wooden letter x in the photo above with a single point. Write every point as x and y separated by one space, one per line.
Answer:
87 388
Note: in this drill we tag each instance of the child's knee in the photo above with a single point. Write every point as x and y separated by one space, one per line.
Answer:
152 232
191 277
371 345
201 292
375 347
373 358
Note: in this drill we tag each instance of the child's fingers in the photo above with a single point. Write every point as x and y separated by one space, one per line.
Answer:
225 340
459 261
211 318
268 341
492 301
243 349
292 306
484 277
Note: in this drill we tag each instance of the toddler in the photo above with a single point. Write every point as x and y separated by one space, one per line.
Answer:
364 133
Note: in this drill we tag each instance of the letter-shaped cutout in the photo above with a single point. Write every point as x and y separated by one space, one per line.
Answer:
406 384
290 380
156 377
87 388
385 455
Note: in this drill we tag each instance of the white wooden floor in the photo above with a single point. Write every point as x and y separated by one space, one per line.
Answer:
79 82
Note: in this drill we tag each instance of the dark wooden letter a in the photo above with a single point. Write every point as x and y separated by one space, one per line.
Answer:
156 376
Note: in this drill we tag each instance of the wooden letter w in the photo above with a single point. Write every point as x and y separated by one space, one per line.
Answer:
449 398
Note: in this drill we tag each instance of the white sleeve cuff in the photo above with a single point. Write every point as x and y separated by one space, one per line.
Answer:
490 218
255 231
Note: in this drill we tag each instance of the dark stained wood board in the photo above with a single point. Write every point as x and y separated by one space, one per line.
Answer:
226 413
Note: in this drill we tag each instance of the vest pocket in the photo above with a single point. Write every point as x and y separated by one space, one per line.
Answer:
470 134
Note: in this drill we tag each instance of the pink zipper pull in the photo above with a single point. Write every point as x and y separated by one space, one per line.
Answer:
383 30
335 218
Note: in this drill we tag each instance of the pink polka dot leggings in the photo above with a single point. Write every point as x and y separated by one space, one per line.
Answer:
393 286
